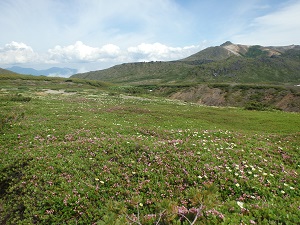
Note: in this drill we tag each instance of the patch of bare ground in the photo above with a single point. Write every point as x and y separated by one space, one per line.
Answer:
202 95
50 91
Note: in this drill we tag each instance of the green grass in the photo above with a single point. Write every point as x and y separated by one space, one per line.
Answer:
92 157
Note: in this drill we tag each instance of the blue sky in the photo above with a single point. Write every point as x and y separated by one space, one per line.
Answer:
96 34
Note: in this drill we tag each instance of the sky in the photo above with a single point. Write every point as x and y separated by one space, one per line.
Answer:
97 34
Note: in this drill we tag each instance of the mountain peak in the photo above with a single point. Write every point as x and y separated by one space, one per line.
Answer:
226 43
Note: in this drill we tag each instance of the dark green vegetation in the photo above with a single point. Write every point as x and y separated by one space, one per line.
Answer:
25 81
234 69
226 63
85 152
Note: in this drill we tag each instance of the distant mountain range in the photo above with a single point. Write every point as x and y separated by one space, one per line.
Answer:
53 72
225 63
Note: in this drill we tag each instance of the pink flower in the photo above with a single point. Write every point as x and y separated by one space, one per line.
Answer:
193 210
182 210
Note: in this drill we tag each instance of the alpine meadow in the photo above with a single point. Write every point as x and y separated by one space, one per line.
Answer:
210 139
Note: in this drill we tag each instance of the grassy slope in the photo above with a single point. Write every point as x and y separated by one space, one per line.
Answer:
211 53
3 71
252 68
234 69
152 72
96 157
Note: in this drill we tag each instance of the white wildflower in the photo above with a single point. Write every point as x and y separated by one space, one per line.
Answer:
240 204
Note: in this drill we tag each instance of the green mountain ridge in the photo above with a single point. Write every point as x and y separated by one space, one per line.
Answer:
225 63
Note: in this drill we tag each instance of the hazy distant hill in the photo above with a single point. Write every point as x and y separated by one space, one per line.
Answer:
225 63
54 71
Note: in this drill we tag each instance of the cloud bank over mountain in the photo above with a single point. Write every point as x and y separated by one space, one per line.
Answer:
17 53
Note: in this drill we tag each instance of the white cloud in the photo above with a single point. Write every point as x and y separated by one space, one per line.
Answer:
80 52
60 75
110 50
160 52
276 28
15 52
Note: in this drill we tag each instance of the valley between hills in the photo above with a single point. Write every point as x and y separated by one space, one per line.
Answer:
226 75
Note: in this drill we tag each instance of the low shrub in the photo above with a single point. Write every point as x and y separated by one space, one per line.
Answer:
20 98
254 105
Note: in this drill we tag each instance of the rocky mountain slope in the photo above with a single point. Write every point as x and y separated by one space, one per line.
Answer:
248 96
229 49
